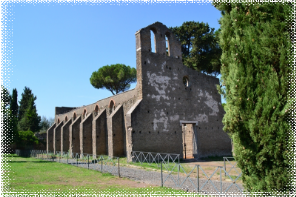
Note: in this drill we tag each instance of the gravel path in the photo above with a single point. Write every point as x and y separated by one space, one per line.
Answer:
154 178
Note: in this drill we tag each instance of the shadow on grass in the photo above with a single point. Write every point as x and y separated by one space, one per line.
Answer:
30 161
8 155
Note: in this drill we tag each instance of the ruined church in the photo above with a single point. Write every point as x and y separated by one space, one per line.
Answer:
172 109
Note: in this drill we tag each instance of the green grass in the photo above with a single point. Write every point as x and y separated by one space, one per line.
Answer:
34 175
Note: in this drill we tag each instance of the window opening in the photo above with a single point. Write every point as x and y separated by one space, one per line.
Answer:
111 107
66 119
74 116
153 45
185 81
84 113
96 110
167 45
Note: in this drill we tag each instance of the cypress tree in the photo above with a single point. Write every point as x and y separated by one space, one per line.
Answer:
255 43
30 120
10 131
27 95
5 98
13 103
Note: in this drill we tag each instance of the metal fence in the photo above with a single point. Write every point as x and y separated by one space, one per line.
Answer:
102 163
170 172
176 176
157 158
23 153
233 166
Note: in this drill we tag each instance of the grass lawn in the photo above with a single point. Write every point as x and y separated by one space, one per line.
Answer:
34 175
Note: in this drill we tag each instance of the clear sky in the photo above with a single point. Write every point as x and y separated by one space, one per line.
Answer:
57 47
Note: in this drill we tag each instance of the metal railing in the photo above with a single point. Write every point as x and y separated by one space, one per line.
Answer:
183 179
233 166
101 163
157 158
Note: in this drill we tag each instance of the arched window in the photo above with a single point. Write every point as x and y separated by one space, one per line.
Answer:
58 120
153 40
74 115
84 113
185 81
66 119
167 44
96 111
111 106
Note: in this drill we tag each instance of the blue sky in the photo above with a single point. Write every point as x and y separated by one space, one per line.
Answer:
57 47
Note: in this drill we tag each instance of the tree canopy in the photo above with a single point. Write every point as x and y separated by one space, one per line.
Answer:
28 116
4 96
255 73
27 95
45 123
27 140
116 78
200 49
30 120
13 103
20 131
9 121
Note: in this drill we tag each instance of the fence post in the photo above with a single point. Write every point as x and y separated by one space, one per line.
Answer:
88 161
221 178
157 160
118 167
67 156
197 178
178 174
161 174
101 165
224 166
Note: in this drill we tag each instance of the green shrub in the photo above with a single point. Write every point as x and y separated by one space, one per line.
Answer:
27 140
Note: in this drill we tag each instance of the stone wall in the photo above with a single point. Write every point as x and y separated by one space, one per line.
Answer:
57 137
86 135
65 136
100 141
74 146
49 138
150 117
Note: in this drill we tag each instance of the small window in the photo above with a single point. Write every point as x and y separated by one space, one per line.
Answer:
74 116
111 106
66 119
96 111
167 46
153 41
186 81
84 113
